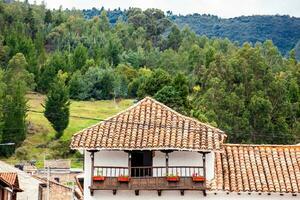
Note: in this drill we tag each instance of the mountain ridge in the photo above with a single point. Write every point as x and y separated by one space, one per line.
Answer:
283 30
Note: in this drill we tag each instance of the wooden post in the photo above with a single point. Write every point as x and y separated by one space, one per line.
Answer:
92 170
167 163
204 171
129 163
204 164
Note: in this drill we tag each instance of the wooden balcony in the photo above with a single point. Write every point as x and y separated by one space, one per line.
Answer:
148 178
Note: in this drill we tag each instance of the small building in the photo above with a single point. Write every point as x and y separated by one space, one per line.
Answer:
32 188
9 186
60 164
57 191
150 151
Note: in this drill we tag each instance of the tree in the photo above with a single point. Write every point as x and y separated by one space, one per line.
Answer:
2 95
155 82
170 96
16 70
18 81
113 49
29 19
48 17
80 57
100 83
57 105
78 86
104 21
120 87
175 95
48 72
260 111
174 38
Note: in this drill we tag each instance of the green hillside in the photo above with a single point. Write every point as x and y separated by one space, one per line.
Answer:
41 133
250 91
283 30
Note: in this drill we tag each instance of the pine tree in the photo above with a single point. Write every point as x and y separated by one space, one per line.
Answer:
57 105
2 89
14 117
18 81
48 17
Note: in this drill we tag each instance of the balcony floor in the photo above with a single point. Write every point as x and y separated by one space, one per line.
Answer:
148 183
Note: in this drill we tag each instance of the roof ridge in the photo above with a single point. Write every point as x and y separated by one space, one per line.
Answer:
181 115
262 145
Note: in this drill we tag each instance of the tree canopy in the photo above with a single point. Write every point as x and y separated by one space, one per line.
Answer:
248 89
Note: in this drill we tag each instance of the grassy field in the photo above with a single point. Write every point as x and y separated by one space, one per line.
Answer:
41 132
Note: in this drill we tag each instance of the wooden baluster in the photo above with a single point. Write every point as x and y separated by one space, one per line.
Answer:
92 170
167 163
129 163
204 164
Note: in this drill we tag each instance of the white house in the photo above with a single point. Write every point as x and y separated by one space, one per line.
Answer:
150 151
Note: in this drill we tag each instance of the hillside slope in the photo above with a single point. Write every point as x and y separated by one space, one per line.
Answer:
284 31
83 114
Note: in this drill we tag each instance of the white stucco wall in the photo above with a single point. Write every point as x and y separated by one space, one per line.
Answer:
118 158
189 195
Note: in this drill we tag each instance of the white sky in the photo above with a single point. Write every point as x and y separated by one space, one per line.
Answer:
222 8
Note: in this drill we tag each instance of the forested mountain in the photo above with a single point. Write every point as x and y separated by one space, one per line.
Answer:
249 91
284 31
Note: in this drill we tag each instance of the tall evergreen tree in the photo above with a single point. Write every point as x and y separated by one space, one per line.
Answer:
79 57
14 106
48 17
2 90
57 105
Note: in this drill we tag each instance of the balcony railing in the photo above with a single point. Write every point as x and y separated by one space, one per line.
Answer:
148 178
157 171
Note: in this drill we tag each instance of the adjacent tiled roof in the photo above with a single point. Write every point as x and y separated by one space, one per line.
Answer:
258 168
149 125
11 180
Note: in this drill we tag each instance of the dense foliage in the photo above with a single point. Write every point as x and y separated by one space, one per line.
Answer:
250 91
284 31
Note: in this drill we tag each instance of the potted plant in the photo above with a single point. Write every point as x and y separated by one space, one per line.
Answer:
198 178
173 178
123 178
99 176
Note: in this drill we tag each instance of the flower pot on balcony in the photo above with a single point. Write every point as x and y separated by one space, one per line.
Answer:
173 178
98 178
198 178
123 179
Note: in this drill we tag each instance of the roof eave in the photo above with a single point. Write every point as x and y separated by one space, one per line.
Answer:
148 149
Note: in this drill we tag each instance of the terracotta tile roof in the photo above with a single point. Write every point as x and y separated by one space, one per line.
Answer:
258 168
149 125
10 179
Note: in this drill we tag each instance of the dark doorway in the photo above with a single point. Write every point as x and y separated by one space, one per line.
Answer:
141 163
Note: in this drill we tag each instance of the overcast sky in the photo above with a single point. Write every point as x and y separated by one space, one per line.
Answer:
222 8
